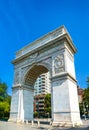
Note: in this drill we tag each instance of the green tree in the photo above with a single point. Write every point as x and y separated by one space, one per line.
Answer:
84 106
81 109
86 93
35 114
4 109
47 101
86 96
3 91
5 100
87 82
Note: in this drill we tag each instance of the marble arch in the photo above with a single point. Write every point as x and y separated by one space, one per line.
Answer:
53 52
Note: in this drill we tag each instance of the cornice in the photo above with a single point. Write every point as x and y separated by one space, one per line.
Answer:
45 41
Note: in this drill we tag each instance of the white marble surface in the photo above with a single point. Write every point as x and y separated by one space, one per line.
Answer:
14 105
28 104
55 52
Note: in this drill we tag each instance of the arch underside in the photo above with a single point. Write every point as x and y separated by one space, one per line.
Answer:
33 74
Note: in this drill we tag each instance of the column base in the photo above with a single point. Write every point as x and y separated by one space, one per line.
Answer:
67 124
16 120
12 120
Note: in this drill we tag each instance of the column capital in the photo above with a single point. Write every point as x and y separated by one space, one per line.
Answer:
23 86
63 76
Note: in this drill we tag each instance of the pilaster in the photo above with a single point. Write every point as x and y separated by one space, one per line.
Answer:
22 103
65 109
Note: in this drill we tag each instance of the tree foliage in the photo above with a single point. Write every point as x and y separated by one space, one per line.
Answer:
84 105
87 82
86 93
35 114
5 100
86 96
47 102
3 91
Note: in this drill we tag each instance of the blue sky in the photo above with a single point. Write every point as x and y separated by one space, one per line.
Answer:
23 21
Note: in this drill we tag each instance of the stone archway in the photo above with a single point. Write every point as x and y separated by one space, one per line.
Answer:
53 52
27 92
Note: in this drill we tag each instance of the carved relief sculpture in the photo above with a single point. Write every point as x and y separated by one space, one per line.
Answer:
16 78
58 64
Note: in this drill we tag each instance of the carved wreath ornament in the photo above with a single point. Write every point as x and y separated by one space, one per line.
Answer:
58 64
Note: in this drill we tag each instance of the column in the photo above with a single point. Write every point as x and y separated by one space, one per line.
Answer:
65 107
17 112
28 100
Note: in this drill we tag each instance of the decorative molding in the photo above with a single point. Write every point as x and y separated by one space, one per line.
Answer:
32 58
42 41
63 76
28 61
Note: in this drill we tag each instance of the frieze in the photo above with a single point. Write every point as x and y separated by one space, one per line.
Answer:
40 42
34 56
29 60
38 56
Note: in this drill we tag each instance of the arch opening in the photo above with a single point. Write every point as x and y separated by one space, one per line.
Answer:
37 100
